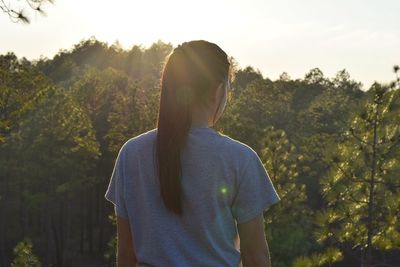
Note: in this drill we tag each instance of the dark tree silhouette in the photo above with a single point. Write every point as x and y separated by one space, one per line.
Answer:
17 14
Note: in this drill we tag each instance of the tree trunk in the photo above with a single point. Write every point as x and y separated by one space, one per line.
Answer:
101 223
58 232
89 224
82 222
3 194
370 226
56 240
48 223
21 209
67 228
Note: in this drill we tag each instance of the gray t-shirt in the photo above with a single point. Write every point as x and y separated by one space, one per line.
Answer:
224 182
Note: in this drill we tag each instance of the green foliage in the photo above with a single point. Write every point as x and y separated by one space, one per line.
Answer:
315 76
53 153
280 159
63 119
329 256
61 131
21 86
111 252
113 104
260 105
24 256
362 189
243 77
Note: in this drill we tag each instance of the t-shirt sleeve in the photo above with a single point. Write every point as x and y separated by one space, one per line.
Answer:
255 191
115 190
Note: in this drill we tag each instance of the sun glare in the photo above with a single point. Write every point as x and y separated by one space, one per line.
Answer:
144 22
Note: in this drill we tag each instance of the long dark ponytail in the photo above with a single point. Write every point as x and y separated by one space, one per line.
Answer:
190 77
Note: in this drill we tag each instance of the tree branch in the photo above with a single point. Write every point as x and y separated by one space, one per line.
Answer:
358 138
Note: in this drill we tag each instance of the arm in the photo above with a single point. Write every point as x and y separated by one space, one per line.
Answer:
125 248
253 244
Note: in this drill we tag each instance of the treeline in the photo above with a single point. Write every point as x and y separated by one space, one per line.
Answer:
331 149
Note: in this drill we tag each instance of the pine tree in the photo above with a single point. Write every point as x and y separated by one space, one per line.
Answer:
291 217
24 256
362 189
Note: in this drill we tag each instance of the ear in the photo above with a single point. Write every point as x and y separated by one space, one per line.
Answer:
219 91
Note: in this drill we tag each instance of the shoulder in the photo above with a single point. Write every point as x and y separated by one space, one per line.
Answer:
137 142
237 146
237 149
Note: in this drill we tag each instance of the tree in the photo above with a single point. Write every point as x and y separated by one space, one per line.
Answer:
243 77
20 84
315 76
19 15
54 149
21 88
281 159
362 191
111 252
321 116
24 256
284 76
63 119
343 82
396 83
260 105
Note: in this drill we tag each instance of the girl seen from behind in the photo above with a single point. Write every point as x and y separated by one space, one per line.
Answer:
185 194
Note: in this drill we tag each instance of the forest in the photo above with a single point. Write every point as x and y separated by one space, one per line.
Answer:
331 149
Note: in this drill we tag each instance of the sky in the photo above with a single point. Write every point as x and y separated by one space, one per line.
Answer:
361 36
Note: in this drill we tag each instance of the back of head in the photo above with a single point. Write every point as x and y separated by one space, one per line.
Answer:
189 79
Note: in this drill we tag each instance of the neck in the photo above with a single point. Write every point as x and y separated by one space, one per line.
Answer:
200 118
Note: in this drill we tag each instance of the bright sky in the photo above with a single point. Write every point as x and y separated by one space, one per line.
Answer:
362 36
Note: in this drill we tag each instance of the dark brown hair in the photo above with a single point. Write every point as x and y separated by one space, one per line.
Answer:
190 77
